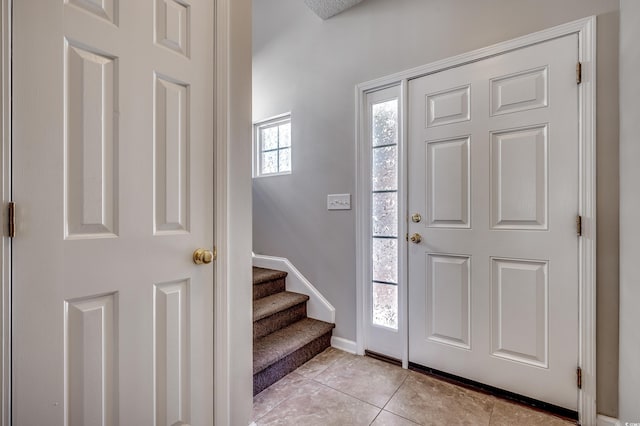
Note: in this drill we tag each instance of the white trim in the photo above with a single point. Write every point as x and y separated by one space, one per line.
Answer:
586 31
273 118
362 198
232 296
343 344
379 338
607 421
5 187
587 247
403 225
317 307
257 149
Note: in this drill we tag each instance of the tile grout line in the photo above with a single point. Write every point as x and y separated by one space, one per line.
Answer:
279 403
272 408
493 408
346 394
374 419
394 394
289 397
361 400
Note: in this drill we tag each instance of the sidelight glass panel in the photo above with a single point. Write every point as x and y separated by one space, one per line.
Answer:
384 213
385 305
385 260
385 123
385 168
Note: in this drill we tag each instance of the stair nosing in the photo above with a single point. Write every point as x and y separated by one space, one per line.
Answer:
323 328
293 299
273 277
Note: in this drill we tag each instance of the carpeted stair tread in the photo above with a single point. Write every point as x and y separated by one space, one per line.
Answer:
267 306
277 345
263 275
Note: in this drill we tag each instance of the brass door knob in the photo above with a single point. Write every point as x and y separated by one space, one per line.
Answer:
202 255
415 238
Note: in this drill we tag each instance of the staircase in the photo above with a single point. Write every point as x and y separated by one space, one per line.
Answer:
283 337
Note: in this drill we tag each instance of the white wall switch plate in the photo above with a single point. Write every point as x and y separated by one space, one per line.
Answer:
339 202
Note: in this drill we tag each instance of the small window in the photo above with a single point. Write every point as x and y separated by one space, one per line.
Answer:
272 149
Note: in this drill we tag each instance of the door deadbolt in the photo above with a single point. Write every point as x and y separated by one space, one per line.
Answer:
415 218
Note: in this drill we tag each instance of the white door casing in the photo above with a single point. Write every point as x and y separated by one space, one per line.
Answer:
494 172
113 178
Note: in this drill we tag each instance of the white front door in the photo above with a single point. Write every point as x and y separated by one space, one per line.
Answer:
113 183
493 171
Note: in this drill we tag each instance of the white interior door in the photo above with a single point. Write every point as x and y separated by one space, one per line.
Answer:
113 182
493 171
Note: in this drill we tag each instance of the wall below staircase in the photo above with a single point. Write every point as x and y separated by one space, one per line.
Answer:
318 307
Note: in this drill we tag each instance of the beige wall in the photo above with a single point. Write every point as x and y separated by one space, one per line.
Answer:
310 67
629 212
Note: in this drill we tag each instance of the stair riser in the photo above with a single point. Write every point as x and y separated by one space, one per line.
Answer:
279 320
268 288
286 365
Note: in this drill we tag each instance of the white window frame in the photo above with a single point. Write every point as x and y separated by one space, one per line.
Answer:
379 338
257 148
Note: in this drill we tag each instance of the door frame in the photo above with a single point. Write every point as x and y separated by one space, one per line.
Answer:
5 193
586 31
232 356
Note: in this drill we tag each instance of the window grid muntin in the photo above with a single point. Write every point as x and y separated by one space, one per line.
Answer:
259 129
391 323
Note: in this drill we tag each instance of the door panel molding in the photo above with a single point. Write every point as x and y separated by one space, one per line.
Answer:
230 118
585 29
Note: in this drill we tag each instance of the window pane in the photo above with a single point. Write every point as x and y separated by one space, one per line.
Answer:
385 305
385 214
385 123
269 138
285 135
385 170
285 160
270 162
385 259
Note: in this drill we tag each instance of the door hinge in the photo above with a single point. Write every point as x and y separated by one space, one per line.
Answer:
578 73
11 215
579 377
406 237
579 225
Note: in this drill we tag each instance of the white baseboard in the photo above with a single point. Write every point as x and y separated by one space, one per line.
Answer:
343 344
317 307
607 421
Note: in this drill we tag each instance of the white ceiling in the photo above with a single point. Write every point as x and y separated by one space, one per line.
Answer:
325 9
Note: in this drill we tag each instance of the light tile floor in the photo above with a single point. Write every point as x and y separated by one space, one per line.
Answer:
337 388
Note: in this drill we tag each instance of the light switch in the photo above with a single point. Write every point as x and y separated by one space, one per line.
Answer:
339 202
